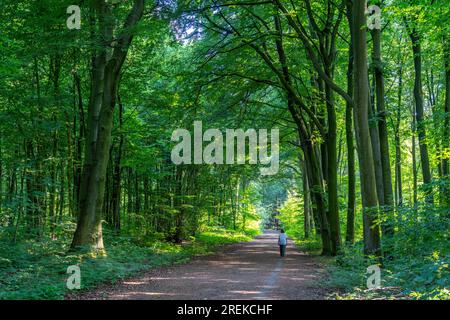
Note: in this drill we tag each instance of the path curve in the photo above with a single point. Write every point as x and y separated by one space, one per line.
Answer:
248 270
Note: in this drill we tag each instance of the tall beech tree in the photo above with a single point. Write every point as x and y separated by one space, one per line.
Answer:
446 131
351 201
387 196
106 68
415 37
361 106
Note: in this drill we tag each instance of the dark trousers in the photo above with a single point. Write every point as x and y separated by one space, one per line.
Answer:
282 250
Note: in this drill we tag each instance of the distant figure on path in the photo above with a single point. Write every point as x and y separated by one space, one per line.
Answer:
282 242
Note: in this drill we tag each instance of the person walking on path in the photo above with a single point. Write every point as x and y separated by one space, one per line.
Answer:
282 242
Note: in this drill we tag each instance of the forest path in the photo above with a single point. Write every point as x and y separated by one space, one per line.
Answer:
248 270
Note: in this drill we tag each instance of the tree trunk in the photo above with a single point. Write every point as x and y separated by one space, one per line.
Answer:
387 204
350 232
398 155
375 139
103 95
306 207
333 208
446 134
116 188
77 170
361 99
413 154
418 98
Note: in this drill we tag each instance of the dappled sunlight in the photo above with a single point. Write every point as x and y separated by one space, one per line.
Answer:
134 282
245 292
142 295
252 270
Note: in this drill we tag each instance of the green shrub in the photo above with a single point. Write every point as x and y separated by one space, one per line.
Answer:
416 264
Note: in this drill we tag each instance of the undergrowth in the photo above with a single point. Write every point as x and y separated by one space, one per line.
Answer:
32 269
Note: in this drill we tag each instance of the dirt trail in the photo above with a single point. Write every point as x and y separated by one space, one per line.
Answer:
250 270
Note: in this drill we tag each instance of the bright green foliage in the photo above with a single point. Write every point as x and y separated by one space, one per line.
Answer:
231 67
291 216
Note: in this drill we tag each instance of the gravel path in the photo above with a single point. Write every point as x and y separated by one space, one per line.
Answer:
250 270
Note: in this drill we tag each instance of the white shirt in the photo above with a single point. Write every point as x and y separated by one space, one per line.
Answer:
282 239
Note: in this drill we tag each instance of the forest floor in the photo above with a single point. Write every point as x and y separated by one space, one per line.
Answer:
247 270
